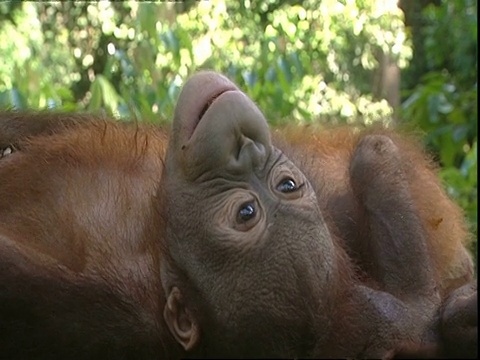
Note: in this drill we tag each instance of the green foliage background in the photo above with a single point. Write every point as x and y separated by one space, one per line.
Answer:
312 61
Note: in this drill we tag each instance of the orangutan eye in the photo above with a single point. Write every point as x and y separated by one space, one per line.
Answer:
247 212
287 185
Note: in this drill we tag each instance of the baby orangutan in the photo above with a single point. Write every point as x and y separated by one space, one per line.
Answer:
220 239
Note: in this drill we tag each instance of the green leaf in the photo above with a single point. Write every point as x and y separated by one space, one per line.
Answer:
96 96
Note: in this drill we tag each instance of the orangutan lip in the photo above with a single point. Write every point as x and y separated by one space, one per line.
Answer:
208 104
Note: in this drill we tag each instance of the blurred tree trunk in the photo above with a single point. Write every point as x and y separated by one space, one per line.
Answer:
415 22
386 82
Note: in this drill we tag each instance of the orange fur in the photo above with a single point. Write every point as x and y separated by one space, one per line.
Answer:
76 201
328 153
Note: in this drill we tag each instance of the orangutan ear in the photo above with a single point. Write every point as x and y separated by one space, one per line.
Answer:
180 321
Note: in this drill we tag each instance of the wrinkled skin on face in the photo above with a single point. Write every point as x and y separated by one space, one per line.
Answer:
261 228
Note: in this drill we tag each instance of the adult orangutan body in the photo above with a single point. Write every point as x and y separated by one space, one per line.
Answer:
326 244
